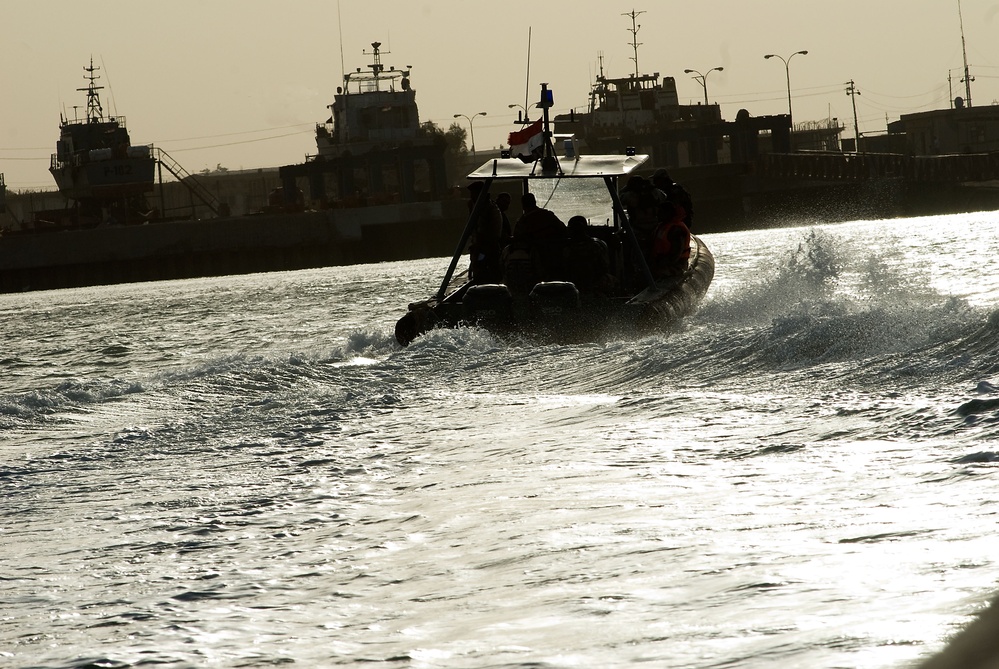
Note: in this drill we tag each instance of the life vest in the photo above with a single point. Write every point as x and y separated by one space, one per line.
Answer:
671 245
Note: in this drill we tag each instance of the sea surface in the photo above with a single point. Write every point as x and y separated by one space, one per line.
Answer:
249 471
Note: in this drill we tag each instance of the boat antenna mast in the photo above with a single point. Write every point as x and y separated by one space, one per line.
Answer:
635 27
95 113
964 52
549 159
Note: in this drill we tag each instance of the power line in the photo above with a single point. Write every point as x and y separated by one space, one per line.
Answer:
245 141
304 126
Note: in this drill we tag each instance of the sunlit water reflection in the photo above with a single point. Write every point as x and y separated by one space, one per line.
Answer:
248 470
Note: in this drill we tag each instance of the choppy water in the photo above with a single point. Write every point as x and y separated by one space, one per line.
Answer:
247 471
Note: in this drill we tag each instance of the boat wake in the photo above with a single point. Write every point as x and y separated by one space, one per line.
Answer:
824 307
821 320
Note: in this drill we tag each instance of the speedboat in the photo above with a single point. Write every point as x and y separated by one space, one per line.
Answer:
633 299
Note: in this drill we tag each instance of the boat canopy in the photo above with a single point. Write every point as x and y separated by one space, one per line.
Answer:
582 167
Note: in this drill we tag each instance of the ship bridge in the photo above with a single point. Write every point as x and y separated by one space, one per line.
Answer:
375 106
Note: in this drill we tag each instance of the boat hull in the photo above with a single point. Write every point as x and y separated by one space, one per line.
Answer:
557 312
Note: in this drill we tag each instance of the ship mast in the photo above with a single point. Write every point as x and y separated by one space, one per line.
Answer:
95 113
964 51
377 67
597 89
634 35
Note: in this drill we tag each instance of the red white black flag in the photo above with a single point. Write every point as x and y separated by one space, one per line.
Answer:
527 143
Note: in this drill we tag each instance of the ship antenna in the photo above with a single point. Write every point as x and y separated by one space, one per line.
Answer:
964 51
339 25
595 89
114 107
94 110
377 67
634 35
527 84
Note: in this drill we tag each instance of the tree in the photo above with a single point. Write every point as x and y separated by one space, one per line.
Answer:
454 137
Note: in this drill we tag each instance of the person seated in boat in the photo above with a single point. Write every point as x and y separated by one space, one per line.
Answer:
484 248
676 194
642 202
521 267
670 254
541 230
586 260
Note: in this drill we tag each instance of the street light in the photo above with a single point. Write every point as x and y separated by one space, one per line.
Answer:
471 130
703 78
526 120
787 72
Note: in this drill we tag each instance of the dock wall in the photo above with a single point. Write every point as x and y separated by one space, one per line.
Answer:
237 245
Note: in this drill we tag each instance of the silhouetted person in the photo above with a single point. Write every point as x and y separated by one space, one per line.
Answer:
644 205
670 254
643 201
676 194
484 247
543 233
537 224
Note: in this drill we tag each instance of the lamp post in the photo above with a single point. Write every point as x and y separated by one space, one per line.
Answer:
471 130
703 78
522 108
787 73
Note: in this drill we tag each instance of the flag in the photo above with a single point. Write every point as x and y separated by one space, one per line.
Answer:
527 144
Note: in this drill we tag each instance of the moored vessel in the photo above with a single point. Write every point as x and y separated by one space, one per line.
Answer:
96 166
376 190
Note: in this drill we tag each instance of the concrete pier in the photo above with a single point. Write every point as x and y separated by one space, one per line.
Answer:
237 245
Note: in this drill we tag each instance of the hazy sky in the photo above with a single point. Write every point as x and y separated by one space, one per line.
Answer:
242 83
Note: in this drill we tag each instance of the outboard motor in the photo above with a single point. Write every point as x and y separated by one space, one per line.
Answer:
554 300
419 319
488 302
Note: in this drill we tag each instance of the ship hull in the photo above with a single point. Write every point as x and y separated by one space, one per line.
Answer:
106 178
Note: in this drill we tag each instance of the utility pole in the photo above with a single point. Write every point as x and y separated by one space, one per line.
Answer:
634 35
851 90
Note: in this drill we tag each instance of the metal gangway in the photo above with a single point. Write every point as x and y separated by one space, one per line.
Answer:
196 188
